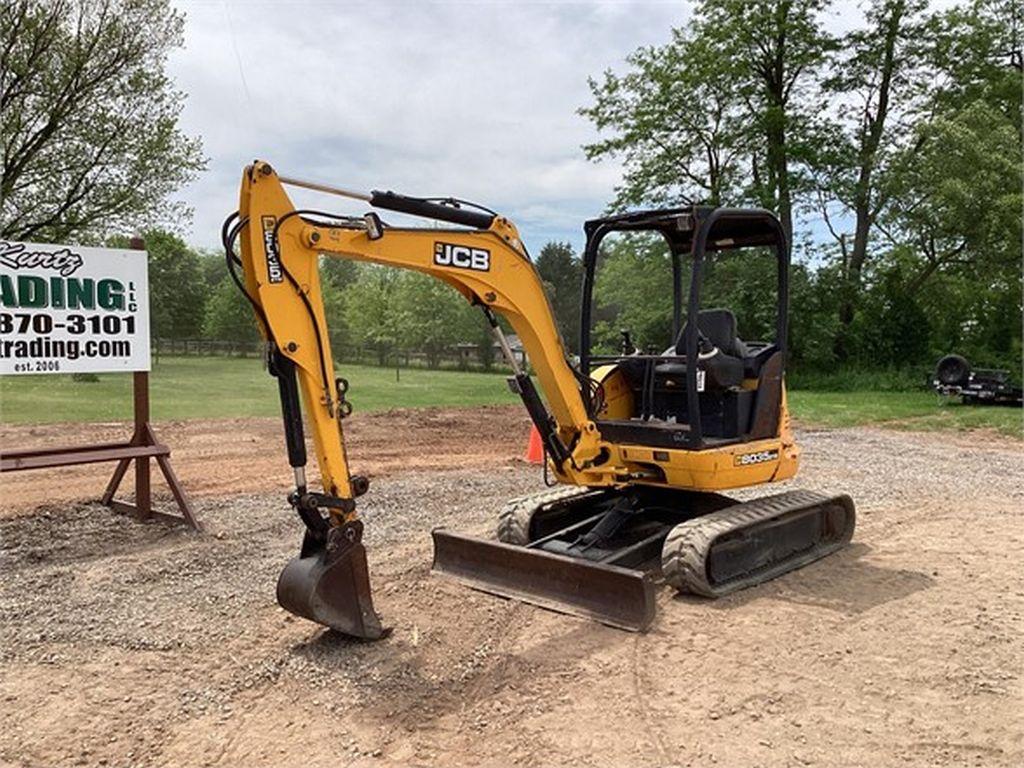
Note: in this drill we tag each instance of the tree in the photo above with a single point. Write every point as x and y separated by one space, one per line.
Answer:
214 268
672 152
91 144
633 291
370 310
905 133
562 274
431 316
875 83
484 340
772 48
975 53
954 193
813 316
228 315
720 114
743 281
338 273
177 285
895 330
955 197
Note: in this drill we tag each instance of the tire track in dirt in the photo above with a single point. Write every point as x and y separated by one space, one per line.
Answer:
640 684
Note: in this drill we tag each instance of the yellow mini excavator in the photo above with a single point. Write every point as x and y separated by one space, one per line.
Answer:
641 444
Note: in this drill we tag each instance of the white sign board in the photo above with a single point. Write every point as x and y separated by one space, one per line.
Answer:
68 309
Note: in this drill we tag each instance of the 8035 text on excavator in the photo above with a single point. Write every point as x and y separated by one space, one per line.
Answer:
641 444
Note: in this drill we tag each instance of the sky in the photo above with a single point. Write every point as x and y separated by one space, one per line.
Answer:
476 100
473 100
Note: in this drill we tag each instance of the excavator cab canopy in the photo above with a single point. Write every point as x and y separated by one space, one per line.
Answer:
734 391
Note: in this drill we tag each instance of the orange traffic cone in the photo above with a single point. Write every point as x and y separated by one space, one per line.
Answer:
535 448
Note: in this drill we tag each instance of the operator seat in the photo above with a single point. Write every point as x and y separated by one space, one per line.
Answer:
727 409
719 327
724 367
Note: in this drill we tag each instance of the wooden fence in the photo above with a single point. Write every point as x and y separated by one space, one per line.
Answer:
463 357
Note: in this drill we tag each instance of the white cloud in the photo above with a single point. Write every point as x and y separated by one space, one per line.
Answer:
475 100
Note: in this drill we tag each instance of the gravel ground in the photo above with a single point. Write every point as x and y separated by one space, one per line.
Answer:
223 457
128 644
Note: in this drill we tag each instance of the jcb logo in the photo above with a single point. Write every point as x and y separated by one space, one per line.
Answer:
746 459
448 255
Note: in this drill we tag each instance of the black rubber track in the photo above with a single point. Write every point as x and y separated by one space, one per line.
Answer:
515 517
685 553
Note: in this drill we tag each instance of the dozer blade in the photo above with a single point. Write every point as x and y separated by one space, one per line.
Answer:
329 583
619 597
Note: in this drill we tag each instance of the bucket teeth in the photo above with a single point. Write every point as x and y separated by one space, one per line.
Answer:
329 583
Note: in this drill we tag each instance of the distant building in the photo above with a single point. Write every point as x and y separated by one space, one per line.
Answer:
516 345
467 351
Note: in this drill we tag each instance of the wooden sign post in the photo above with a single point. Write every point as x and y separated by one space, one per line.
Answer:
143 446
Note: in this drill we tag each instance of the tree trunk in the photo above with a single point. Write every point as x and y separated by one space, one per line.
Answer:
779 160
775 132
864 207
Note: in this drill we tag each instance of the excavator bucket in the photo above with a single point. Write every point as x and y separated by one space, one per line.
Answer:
329 583
619 597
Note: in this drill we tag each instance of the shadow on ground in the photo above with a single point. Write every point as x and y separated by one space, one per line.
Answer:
844 582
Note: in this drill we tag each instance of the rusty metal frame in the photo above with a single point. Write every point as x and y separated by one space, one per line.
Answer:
142 447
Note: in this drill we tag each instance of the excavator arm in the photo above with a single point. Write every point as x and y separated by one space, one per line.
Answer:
280 253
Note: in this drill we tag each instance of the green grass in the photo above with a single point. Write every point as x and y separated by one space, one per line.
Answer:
208 387
902 410
846 379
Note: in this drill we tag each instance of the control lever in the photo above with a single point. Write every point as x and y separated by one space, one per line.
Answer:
628 347
704 345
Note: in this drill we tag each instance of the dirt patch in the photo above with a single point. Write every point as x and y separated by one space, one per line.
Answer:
127 644
218 457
